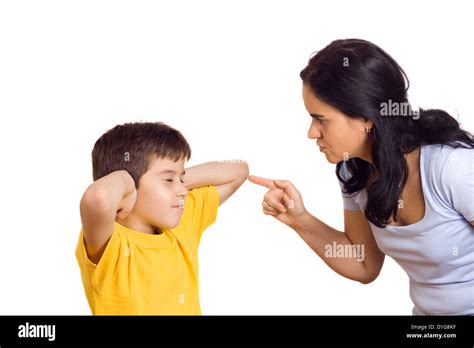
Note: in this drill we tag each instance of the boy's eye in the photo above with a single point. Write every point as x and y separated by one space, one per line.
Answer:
171 180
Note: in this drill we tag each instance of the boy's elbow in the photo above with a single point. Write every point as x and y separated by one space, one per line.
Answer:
240 175
243 172
95 199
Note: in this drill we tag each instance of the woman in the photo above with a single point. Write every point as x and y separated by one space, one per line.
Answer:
406 176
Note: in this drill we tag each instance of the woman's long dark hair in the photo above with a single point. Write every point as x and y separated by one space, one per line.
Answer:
360 79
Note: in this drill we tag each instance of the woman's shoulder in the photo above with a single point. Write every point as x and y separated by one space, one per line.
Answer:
438 158
449 172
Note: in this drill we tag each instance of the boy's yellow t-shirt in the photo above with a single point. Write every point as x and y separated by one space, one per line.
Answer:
144 274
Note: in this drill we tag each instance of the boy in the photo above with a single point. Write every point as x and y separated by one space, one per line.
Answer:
142 220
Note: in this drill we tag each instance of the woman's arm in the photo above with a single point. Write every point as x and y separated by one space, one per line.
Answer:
284 202
323 239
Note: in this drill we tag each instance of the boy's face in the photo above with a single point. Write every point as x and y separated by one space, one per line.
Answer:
161 195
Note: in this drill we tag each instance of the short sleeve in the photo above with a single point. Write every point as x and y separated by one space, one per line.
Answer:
95 274
457 181
201 207
348 202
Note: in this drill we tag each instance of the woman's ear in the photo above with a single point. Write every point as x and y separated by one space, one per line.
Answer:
368 125
364 124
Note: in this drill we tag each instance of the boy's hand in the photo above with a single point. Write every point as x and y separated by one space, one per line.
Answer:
282 201
127 204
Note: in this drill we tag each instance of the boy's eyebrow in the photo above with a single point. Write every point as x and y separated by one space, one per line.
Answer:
168 171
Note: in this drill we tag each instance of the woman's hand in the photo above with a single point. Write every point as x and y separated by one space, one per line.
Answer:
282 201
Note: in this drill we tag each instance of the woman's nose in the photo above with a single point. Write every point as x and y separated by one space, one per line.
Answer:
314 132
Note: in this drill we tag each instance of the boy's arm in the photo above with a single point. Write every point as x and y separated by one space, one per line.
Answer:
226 176
110 196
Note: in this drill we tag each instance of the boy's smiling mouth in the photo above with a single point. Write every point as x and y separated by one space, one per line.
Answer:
180 204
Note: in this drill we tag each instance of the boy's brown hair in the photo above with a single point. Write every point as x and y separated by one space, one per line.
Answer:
132 146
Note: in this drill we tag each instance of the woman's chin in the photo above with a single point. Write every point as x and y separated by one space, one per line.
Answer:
330 158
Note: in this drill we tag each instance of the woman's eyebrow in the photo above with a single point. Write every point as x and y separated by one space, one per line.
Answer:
316 115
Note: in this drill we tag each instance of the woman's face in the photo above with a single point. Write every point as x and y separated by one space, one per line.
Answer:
338 136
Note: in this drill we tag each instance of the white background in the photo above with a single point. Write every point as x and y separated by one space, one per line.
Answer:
225 73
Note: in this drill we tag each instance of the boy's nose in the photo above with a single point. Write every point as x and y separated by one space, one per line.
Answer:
182 192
